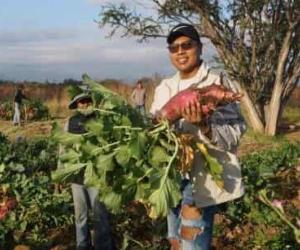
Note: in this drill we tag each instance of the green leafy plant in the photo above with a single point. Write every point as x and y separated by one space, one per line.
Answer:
127 158
24 172
278 208
31 110
122 156
271 171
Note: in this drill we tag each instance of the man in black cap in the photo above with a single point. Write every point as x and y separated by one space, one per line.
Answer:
190 225
86 198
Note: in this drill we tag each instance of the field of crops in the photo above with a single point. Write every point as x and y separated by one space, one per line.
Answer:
265 218
37 213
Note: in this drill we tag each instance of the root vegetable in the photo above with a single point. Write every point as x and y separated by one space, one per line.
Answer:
7 205
209 97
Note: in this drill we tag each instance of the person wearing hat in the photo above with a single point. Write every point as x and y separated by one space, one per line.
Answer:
86 198
190 225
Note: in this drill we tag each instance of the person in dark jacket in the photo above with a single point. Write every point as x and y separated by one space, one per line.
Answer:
86 198
17 105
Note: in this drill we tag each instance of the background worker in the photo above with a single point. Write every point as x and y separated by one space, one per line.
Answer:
18 98
138 97
86 198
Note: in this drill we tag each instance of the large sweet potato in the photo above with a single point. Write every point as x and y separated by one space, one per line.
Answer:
209 98
7 205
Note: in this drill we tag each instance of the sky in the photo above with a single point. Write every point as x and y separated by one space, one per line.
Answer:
52 40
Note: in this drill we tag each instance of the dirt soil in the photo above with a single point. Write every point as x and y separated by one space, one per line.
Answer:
29 130
248 144
43 128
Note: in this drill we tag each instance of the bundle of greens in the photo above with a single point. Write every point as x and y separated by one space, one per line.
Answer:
125 156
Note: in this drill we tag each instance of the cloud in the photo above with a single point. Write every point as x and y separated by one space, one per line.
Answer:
55 55
59 56
20 36
100 2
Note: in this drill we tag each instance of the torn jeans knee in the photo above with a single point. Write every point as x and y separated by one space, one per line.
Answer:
173 220
192 224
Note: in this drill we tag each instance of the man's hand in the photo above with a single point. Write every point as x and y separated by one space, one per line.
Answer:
192 112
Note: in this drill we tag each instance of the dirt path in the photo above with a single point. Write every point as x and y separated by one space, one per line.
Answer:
250 142
28 130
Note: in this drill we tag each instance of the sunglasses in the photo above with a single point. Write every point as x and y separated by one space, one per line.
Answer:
174 48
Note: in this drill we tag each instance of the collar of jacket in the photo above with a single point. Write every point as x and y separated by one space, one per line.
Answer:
201 75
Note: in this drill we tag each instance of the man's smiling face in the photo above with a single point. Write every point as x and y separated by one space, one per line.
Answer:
185 55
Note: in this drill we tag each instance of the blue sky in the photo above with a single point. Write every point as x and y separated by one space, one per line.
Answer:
57 39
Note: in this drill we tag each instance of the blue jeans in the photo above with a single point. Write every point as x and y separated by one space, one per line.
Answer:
85 198
141 109
17 114
203 240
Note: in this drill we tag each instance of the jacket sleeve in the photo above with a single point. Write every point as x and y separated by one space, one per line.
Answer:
161 96
227 123
227 126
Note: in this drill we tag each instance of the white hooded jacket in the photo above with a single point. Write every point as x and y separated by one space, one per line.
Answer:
227 126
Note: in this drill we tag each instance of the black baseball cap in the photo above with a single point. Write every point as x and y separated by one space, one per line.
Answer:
183 29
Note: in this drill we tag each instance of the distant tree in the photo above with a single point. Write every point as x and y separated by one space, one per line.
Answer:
258 41
71 81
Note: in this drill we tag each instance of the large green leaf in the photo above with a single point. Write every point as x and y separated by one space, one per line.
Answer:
112 200
164 198
130 189
141 191
123 155
137 145
68 139
70 156
91 178
213 166
105 163
125 121
155 176
158 155
95 126
88 148
68 170
112 102
98 88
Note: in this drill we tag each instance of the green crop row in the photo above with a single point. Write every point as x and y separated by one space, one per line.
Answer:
247 223
273 173
31 110
24 175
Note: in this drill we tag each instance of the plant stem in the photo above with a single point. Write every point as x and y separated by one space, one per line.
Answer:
127 127
104 111
161 127
97 150
264 199
171 160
